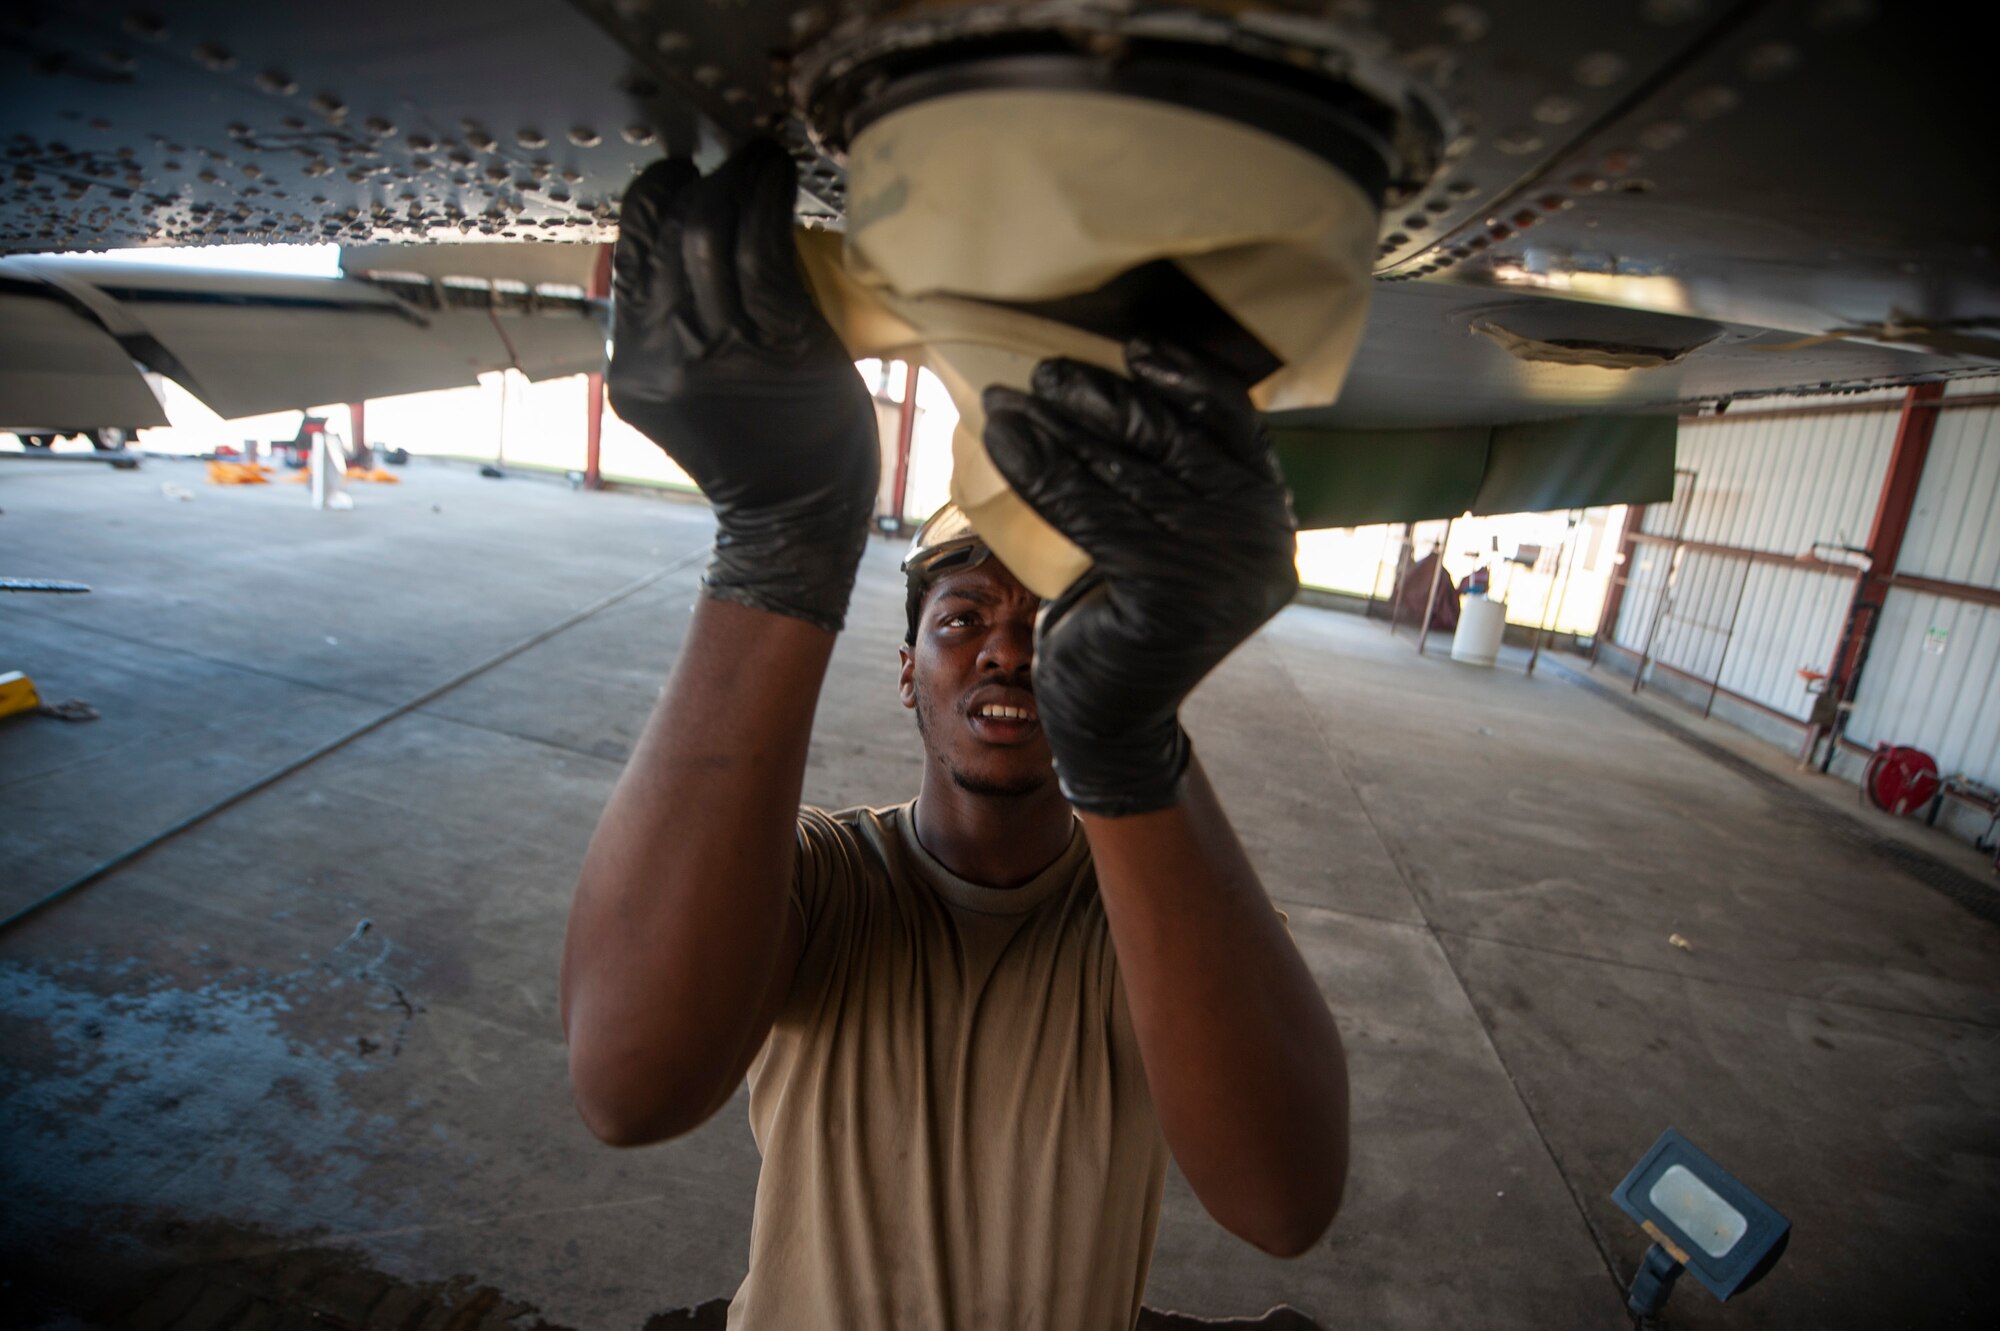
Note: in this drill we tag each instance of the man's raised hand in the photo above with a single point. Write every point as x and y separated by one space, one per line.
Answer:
1167 482
720 357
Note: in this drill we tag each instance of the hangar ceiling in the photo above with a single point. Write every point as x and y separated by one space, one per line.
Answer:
1798 191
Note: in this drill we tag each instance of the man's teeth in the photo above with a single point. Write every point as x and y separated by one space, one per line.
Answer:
1005 713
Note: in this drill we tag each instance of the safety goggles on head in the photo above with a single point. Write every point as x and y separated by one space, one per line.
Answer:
945 544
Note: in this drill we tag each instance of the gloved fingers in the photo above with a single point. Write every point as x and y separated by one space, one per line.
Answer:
1180 429
1035 451
709 241
648 286
1208 394
1108 405
772 290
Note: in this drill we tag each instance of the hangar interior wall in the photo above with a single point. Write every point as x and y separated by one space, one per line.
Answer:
1726 603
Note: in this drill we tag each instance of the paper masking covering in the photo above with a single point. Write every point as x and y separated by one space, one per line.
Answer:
1028 196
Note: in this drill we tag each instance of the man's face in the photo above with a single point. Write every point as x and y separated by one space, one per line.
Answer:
968 679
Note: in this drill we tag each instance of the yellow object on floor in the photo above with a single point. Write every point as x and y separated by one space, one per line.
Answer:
376 474
238 473
17 694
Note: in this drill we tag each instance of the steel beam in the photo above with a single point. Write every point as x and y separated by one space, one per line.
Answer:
593 405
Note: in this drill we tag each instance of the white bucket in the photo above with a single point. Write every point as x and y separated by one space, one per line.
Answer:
1480 624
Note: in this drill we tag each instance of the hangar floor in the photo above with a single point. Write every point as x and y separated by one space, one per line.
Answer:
303 1055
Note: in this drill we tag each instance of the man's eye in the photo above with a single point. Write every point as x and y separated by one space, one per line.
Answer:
961 620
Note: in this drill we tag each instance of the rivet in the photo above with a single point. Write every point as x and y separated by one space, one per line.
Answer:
1586 180
1518 142
1667 13
238 130
1635 187
420 163
807 23
572 175
379 127
531 138
253 172
1599 69
1416 221
1555 203
1526 218
583 136
215 56
1618 162
542 168
1832 15
277 83
1465 23
497 173
100 123
120 60
330 106
1712 101
459 157
1396 240
293 122
480 141
708 76
144 23
1555 110
1770 60
1661 136
670 42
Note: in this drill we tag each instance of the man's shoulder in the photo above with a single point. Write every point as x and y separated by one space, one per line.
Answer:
859 820
864 838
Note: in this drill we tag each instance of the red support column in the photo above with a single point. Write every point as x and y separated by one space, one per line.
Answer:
357 447
1892 519
593 409
906 430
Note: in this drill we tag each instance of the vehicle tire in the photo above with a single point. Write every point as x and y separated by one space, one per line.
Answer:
109 439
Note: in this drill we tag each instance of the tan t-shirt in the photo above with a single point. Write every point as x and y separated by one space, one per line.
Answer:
954 1120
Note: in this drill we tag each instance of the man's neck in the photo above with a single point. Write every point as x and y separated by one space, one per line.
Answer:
992 840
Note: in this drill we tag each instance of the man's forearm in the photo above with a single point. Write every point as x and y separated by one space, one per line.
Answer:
1242 1056
678 928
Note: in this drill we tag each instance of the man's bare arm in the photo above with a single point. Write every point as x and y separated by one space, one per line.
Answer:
681 944
1167 481
1242 1056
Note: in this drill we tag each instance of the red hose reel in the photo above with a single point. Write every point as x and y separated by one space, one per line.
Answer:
1900 778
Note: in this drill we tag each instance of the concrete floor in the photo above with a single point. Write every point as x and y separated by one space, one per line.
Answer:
322 1022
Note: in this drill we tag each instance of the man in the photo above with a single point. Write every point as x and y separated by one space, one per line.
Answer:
974 1023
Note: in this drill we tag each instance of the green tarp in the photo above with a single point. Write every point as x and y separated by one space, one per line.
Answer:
1351 478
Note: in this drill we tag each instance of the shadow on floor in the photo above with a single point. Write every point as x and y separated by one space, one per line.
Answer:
256 1282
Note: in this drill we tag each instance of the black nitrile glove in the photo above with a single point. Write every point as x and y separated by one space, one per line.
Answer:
1167 482
720 357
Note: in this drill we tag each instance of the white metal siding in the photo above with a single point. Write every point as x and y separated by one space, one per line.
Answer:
1947 702
1782 484
1788 619
1954 532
